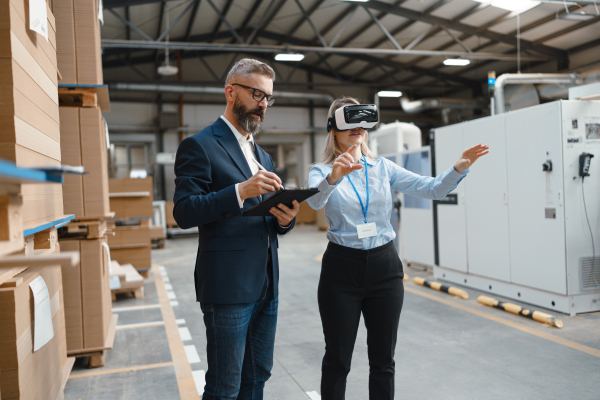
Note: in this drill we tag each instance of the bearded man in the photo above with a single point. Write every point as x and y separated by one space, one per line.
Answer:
237 269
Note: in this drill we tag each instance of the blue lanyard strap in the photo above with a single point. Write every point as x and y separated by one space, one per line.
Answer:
364 209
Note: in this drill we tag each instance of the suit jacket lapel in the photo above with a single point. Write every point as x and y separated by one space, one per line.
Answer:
227 139
258 151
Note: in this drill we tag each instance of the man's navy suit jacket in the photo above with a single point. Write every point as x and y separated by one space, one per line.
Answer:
232 252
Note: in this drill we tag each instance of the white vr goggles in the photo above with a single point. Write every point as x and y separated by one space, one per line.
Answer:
354 116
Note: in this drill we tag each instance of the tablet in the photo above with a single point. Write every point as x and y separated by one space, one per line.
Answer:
282 196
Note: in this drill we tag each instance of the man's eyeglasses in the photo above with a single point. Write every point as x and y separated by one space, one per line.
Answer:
258 94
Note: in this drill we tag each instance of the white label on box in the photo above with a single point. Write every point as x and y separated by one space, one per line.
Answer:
42 321
38 17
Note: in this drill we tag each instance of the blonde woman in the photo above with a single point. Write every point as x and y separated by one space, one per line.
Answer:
361 271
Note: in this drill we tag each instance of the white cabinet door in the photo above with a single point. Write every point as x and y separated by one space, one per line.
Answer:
537 229
486 201
451 218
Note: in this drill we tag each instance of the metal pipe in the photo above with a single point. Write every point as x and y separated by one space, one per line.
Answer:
246 48
511 79
179 89
554 92
417 106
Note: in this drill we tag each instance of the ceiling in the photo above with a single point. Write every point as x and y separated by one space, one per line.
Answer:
359 46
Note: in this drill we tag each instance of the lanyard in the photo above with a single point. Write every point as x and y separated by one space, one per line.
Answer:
364 209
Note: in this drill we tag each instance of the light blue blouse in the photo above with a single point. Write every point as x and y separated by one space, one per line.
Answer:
342 207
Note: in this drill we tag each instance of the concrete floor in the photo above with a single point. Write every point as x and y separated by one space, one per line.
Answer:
448 348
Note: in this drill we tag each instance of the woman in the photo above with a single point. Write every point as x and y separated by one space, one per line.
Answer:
361 271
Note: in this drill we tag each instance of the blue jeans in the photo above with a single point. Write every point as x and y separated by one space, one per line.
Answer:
240 344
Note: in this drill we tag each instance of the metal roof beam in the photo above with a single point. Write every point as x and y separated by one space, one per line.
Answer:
139 44
191 21
458 26
383 29
185 11
306 16
222 18
108 4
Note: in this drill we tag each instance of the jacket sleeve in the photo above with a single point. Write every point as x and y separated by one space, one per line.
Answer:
195 204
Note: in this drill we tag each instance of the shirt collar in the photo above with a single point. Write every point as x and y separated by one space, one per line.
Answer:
369 161
240 138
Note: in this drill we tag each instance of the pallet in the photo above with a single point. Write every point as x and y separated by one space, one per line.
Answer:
96 355
90 229
131 280
158 243
77 97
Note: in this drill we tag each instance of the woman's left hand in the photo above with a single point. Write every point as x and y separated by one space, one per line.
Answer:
469 156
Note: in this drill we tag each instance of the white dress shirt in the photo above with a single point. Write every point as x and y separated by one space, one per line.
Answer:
247 146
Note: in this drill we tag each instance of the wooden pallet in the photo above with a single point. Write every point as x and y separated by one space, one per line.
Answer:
77 97
130 279
158 243
11 222
88 229
96 355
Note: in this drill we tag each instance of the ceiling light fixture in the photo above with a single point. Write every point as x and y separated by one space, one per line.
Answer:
519 6
167 69
289 57
578 16
461 62
389 93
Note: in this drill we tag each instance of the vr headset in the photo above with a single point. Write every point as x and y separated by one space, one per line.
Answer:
354 116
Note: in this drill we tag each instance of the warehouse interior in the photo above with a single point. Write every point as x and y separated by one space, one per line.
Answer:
501 277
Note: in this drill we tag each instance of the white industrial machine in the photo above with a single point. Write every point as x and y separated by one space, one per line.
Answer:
412 217
525 223
394 138
416 214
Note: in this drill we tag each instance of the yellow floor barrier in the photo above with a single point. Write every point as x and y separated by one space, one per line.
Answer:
518 310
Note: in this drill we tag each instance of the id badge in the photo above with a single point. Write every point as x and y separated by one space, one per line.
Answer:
366 230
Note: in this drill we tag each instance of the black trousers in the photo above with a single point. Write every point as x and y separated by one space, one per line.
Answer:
354 281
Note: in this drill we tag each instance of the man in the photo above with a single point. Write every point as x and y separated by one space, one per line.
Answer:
237 269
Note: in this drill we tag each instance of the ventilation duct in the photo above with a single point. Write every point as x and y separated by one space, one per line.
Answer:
520 96
180 89
521 79
555 92
434 103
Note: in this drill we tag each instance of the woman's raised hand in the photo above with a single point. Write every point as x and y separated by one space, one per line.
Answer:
342 166
469 156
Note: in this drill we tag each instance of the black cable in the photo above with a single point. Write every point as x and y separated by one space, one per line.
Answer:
591 234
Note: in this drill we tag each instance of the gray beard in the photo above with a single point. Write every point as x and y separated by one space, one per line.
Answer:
245 118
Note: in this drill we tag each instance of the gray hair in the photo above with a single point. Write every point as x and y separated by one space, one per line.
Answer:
248 66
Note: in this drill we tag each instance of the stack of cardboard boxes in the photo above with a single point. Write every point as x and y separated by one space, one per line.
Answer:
30 137
89 321
131 200
29 117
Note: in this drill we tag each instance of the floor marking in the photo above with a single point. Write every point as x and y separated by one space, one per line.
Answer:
200 380
174 260
141 325
313 395
166 279
185 334
171 295
512 324
183 370
168 286
162 268
119 370
180 321
174 303
191 353
135 308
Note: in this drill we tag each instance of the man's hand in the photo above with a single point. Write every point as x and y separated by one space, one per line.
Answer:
262 182
342 166
284 214
469 156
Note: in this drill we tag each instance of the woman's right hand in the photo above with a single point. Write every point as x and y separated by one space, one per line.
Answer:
342 166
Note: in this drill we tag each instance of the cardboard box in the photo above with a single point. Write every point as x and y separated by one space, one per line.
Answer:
78 41
169 205
139 257
129 236
84 141
306 215
129 204
157 232
27 374
88 305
